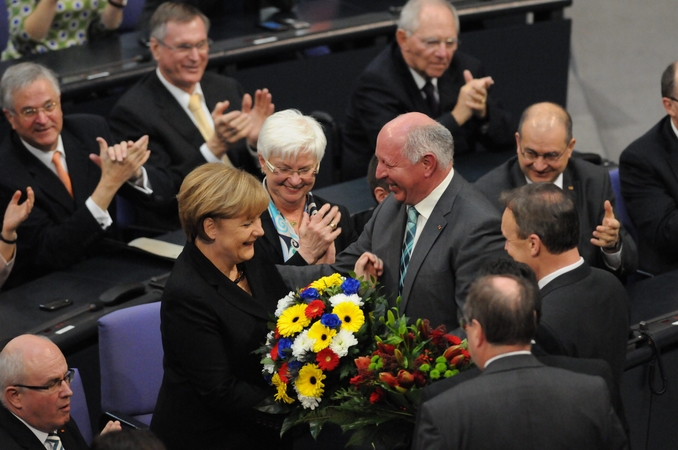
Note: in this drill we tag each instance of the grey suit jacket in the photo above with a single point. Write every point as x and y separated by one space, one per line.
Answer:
518 403
462 232
589 186
648 171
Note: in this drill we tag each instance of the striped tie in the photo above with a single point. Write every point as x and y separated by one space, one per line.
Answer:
55 442
408 244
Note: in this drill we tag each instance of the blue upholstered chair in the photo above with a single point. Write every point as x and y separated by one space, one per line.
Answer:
130 355
79 409
621 211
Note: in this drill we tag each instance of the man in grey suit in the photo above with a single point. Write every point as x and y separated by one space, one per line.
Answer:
516 402
544 153
585 311
454 230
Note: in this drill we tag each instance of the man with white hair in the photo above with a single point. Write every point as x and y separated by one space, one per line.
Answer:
423 71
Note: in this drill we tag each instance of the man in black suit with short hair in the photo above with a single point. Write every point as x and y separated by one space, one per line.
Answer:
516 402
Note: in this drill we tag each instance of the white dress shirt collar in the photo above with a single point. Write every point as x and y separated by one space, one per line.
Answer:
425 207
46 157
421 81
504 355
41 435
558 182
563 270
673 125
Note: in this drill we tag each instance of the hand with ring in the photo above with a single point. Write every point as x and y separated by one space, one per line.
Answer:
316 233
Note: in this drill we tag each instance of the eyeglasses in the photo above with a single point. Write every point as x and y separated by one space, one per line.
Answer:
185 48
434 43
30 112
671 98
53 385
550 157
304 172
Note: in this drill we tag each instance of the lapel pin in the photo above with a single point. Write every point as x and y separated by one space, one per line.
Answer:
570 188
440 227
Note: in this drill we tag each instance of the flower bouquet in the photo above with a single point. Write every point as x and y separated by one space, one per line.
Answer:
338 354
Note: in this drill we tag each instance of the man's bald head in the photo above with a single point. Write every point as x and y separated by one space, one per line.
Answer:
547 116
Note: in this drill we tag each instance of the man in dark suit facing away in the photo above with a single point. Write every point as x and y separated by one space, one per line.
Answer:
73 172
585 311
516 402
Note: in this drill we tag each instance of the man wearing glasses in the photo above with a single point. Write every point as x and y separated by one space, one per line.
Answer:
648 171
424 72
72 171
36 396
190 115
544 153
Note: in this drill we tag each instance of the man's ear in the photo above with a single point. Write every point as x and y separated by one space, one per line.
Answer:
535 244
401 38
10 118
380 193
430 163
13 397
154 45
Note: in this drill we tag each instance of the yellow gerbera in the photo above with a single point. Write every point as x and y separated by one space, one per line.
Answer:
327 282
281 386
293 320
323 336
309 382
351 316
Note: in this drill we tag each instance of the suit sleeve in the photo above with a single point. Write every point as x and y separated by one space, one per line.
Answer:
629 252
193 333
653 210
427 434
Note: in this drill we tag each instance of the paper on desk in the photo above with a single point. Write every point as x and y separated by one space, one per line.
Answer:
156 247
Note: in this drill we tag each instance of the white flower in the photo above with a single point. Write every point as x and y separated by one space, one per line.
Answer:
268 368
340 298
302 344
284 303
342 341
308 402
270 339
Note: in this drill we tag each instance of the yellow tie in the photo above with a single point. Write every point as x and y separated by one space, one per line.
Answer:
61 172
195 106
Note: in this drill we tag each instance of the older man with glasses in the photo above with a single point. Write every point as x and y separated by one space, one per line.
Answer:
72 171
191 116
423 71
544 153
36 396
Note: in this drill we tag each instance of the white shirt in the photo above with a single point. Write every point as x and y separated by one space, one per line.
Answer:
425 207
421 81
563 270
41 435
612 260
504 355
183 97
673 125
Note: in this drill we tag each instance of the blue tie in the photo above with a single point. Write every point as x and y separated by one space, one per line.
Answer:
55 442
408 244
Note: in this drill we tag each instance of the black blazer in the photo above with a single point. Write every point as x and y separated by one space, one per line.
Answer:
212 381
648 171
588 186
269 244
386 89
519 403
60 230
587 310
14 435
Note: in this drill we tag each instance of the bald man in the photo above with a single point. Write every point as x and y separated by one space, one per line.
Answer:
35 384
544 145
454 228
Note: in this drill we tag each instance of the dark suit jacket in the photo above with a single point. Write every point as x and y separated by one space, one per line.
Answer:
149 108
595 367
269 244
587 310
14 435
60 230
518 403
648 171
386 89
212 381
589 186
462 232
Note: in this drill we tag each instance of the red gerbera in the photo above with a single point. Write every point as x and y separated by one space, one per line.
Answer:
284 373
315 309
274 351
276 333
327 359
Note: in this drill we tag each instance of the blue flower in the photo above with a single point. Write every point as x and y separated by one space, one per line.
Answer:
309 294
350 286
294 365
330 320
284 344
